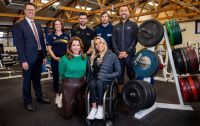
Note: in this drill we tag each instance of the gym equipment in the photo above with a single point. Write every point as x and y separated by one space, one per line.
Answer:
181 105
146 63
174 32
138 95
150 33
186 60
190 88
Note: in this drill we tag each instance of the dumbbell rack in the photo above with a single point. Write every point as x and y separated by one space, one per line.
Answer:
181 105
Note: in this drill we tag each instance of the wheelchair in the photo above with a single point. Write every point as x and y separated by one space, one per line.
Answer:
109 103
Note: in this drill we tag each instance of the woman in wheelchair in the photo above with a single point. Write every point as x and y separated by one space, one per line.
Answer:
72 69
104 67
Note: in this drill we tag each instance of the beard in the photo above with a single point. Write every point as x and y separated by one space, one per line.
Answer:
124 16
82 23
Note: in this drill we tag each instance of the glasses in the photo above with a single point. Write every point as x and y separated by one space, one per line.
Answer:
30 10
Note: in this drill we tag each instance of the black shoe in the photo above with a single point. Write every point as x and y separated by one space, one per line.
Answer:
43 100
30 107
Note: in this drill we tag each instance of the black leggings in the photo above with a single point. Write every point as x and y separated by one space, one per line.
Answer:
73 92
97 88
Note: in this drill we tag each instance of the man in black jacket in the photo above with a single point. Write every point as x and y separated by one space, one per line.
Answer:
124 40
85 33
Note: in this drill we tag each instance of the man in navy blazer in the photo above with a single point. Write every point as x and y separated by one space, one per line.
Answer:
29 40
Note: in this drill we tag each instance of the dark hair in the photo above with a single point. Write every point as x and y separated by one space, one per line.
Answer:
29 4
62 26
105 12
69 45
82 14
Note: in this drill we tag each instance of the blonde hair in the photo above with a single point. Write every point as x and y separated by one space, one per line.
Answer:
95 52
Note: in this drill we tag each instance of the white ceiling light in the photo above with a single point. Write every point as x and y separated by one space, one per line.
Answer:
111 12
44 1
82 7
152 4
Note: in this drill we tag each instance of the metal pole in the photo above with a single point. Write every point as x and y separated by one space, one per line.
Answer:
173 67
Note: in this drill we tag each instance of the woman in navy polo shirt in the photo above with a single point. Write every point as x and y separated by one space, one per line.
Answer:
57 46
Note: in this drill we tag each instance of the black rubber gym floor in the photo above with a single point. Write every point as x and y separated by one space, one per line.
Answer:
12 112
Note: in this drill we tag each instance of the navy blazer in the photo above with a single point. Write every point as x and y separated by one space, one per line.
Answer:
25 41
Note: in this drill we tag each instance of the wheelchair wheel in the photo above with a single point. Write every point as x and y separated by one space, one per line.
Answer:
112 101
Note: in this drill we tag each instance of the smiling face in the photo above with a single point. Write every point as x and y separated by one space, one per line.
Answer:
76 47
99 45
30 11
58 26
124 12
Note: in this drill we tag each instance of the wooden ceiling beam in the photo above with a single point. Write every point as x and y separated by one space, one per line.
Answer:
44 6
105 9
36 17
189 6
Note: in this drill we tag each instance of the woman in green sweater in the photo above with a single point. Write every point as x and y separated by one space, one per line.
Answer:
72 69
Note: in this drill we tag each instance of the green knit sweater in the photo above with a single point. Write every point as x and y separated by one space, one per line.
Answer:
74 68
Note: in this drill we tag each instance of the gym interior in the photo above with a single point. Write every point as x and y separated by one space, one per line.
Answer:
166 90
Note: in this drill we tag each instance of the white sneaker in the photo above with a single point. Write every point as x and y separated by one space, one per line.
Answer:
56 99
59 101
92 114
99 114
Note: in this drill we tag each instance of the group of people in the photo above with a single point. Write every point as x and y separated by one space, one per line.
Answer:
96 57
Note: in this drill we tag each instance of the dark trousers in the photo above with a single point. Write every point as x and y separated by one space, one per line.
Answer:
97 88
126 62
32 75
73 96
54 68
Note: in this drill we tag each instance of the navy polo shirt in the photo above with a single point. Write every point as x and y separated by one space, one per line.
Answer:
106 33
58 43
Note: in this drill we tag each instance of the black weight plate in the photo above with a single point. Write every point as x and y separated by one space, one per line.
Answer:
152 94
149 95
134 94
187 59
150 33
178 61
184 60
189 90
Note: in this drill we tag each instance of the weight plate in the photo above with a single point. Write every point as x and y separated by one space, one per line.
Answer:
189 90
183 89
178 33
146 63
184 60
170 33
187 59
152 94
150 33
178 61
197 86
192 85
193 59
149 95
134 94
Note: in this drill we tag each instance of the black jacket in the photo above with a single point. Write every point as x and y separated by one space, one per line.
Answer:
124 37
110 68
